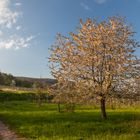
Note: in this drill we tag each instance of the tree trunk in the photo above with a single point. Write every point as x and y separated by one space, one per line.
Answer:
39 101
103 109
59 109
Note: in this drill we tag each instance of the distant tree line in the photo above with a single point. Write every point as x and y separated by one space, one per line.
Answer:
25 82
10 80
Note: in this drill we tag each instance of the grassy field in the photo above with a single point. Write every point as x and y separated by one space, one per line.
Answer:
45 123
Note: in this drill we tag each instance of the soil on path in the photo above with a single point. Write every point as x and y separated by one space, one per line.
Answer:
7 134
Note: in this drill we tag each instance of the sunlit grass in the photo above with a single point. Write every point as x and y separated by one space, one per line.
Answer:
45 123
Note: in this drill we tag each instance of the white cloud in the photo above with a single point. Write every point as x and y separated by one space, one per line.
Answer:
100 1
9 25
30 38
18 4
16 42
18 27
7 16
1 33
85 6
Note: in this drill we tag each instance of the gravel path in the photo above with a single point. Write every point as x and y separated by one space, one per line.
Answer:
6 134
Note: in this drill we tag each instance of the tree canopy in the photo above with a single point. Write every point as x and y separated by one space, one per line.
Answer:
99 58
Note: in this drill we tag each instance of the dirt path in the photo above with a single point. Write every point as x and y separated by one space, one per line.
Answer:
6 134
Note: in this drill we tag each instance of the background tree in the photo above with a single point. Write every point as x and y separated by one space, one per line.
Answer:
40 96
64 93
99 59
6 79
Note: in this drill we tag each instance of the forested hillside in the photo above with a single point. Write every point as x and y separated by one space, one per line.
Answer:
10 80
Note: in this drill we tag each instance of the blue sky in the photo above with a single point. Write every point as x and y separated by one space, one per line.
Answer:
28 28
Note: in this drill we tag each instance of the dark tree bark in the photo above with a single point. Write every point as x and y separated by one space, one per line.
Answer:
59 109
39 101
103 109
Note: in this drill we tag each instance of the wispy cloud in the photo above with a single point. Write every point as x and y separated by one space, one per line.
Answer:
16 42
1 33
9 20
85 6
18 4
7 16
18 27
100 1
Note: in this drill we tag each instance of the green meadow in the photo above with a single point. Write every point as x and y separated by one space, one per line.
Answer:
45 123
69 70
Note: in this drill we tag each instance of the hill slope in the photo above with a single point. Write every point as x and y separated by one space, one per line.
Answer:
47 81
10 80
